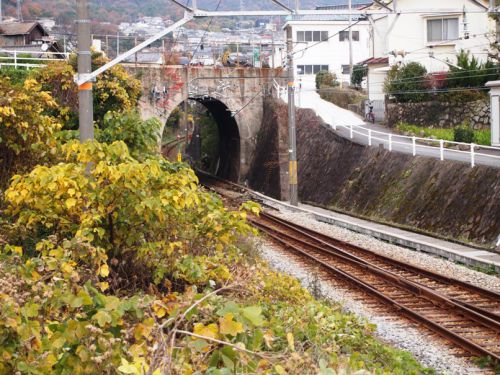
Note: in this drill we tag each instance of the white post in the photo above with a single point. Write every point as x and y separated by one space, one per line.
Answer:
441 149
472 156
414 145
369 137
390 142
495 111
15 59
352 136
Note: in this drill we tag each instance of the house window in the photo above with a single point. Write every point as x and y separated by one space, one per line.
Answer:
311 69
442 29
344 36
312 36
346 69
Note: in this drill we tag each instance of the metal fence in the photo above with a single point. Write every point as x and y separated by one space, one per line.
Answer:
442 147
29 59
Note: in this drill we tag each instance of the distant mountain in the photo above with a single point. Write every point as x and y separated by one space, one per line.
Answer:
107 14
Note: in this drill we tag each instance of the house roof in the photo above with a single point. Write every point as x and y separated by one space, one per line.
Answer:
374 61
343 4
19 28
388 3
324 17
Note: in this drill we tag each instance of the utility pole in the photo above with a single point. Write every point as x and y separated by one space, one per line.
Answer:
19 12
350 39
185 109
292 132
85 97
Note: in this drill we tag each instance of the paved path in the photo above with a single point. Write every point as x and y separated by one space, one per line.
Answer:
337 117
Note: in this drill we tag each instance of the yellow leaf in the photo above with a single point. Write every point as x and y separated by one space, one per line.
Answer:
228 326
104 286
70 203
104 270
279 370
211 330
67 268
17 250
291 341
159 309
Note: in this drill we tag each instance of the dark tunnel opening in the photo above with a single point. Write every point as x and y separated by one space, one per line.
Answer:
225 161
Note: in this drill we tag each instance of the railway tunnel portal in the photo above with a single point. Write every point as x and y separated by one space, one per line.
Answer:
233 97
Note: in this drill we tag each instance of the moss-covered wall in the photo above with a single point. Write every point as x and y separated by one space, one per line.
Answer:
447 198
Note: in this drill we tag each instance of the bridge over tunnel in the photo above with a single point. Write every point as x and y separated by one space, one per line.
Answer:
233 97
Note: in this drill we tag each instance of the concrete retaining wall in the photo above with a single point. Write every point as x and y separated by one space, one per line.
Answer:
447 198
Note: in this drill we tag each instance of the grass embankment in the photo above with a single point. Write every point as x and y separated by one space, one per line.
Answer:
480 137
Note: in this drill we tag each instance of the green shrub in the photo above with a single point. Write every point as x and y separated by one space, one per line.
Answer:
463 134
426 132
482 137
343 97
326 79
469 72
407 83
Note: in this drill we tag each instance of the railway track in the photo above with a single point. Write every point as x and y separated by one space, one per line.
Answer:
462 313
167 149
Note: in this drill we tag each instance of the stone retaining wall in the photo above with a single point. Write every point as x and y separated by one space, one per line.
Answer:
438 114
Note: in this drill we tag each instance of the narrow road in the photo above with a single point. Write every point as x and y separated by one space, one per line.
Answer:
337 117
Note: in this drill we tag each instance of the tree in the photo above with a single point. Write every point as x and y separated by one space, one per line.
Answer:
407 83
115 90
470 72
26 129
358 73
326 79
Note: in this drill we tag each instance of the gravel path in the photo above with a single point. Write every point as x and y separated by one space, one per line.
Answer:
398 333
415 258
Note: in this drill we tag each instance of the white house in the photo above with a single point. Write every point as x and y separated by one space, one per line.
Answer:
426 31
321 42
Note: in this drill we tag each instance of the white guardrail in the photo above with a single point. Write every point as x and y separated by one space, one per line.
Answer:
440 146
416 143
17 59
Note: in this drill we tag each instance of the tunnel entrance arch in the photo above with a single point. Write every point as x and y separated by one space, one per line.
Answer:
228 155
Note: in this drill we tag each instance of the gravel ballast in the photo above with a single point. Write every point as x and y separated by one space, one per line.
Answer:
400 333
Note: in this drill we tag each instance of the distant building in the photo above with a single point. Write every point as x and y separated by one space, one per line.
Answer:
321 42
27 36
433 40
21 33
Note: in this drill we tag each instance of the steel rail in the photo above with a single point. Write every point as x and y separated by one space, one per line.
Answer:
389 276
468 345
335 245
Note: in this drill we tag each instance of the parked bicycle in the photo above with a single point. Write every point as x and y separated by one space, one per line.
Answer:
370 116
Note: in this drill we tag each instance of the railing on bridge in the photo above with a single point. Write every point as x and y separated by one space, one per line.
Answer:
29 59
417 143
